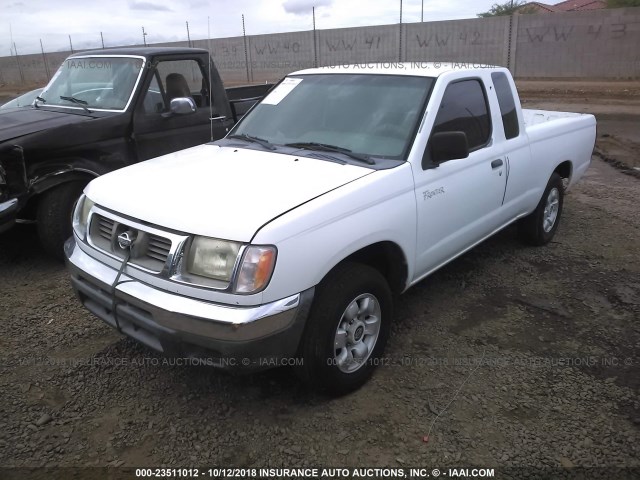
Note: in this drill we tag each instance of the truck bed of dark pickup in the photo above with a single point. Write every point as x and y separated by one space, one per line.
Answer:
101 111
244 97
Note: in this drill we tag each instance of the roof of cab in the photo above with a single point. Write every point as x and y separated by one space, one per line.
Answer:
423 69
146 52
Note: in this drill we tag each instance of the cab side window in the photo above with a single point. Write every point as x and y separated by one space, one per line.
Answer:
174 79
464 109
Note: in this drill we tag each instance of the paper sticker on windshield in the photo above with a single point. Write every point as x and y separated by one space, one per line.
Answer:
281 91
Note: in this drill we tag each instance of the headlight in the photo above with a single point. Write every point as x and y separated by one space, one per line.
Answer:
256 269
218 259
81 216
212 258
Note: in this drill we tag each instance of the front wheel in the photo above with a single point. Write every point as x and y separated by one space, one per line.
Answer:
347 329
539 227
55 211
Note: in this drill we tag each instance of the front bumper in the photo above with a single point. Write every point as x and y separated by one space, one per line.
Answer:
8 211
247 338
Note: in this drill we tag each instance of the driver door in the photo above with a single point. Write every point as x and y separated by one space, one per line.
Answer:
156 130
459 201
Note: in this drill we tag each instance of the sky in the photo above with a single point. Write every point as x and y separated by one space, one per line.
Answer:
25 22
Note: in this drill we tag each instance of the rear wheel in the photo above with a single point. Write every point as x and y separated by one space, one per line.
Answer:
55 211
347 329
539 227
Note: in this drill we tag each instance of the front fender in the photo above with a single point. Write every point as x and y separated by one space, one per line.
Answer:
313 238
52 179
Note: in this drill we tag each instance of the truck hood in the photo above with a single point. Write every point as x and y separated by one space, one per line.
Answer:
17 122
220 192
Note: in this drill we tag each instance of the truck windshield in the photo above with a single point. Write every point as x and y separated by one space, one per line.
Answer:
102 83
364 114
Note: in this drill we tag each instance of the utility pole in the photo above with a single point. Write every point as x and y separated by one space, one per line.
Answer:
144 36
70 44
422 13
102 40
188 34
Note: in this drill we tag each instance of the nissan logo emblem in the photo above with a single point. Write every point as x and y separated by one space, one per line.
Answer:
126 239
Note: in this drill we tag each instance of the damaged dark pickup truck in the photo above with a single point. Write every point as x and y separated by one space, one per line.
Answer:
102 111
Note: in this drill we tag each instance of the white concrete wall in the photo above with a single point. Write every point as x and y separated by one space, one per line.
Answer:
592 44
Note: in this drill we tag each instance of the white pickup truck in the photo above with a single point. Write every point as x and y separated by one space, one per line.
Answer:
286 239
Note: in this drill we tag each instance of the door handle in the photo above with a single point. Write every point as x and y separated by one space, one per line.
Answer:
496 163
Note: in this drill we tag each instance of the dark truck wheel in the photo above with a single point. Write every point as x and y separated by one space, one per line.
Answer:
539 227
55 212
347 329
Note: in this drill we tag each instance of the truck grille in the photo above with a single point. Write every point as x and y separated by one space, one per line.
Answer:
158 248
148 250
105 226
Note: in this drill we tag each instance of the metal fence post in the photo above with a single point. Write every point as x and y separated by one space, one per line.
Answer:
246 56
400 35
15 50
44 60
315 42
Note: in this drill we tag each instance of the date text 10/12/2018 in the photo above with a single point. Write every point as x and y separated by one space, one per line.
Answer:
321 473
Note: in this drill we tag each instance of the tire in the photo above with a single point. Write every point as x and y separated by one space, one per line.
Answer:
539 227
338 371
55 212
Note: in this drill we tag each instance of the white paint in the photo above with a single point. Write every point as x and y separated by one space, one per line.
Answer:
219 192
317 213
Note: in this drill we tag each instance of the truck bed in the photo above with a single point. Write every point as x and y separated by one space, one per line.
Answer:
565 135
534 117
244 97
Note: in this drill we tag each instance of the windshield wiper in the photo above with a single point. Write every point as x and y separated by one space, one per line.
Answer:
77 101
251 138
324 147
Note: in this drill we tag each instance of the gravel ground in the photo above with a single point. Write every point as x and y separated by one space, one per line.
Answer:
545 343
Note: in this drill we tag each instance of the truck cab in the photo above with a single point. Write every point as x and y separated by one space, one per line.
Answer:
102 111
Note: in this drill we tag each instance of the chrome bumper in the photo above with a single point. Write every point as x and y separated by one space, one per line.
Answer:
227 336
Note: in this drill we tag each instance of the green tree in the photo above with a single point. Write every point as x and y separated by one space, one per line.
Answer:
511 7
622 3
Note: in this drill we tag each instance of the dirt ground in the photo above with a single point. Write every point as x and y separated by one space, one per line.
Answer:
615 104
541 344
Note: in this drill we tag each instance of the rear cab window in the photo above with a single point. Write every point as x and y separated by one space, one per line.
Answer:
507 104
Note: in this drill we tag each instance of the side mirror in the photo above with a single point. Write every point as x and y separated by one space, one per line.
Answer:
446 146
182 106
